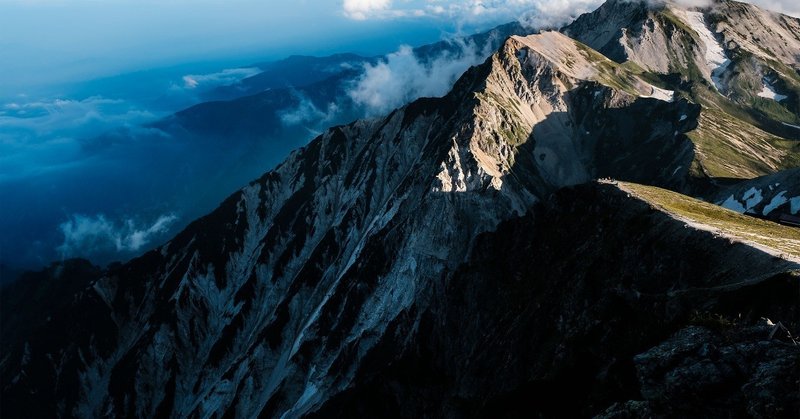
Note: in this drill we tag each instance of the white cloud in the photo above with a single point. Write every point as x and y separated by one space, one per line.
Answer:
540 13
471 11
309 114
556 13
363 9
39 136
222 78
402 77
70 117
85 235
694 3
789 7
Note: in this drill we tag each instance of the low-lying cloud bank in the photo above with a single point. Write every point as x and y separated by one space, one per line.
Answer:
308 114
87 235
68 117
221 78
92 150
43 135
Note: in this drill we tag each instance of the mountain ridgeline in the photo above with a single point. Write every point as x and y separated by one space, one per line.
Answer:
468 256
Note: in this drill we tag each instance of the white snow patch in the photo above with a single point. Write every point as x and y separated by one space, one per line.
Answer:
683 118
716 60
752 198
732 204
777 201
661 94
790 125
769 93
794 205
676 170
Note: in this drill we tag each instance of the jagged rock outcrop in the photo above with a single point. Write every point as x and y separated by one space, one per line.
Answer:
639 32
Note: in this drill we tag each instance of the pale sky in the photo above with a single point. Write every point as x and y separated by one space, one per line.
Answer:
62 40
45 41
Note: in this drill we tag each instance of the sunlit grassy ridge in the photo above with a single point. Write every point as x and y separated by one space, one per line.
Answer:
729 147
783 239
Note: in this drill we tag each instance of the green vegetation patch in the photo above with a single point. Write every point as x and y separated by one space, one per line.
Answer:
728 147
611 74
783 239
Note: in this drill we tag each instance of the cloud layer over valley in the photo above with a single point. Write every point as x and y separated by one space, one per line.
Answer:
85 235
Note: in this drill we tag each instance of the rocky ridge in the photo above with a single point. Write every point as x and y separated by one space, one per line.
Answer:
338 283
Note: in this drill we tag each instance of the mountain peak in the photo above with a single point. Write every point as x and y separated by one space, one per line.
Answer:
558 49
669 36
580 62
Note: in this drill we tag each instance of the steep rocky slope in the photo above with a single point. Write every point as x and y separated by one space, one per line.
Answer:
598 293
665 37
441 261
600 297
270 303
736 60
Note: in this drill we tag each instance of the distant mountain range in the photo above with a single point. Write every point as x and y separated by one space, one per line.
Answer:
545 231
185 163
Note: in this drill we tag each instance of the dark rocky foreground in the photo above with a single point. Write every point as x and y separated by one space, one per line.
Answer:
591 304
595 305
